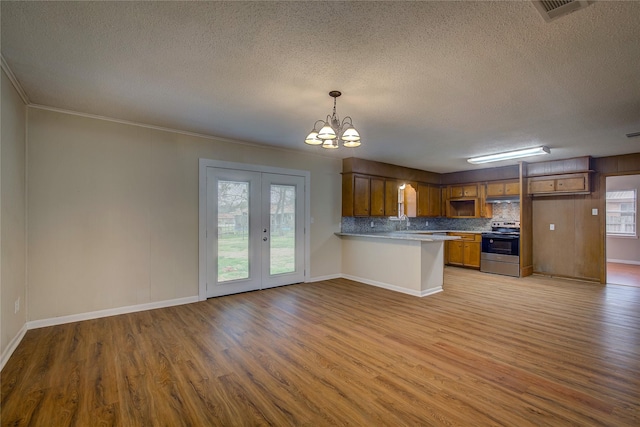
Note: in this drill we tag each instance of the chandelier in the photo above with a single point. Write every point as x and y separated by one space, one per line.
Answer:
332 131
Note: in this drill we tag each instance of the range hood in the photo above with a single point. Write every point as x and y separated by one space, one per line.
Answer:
505 199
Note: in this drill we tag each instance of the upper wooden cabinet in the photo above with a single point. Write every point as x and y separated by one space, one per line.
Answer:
364 195
503 188
577 183
467 201
391 197
428 200
377 187
463 191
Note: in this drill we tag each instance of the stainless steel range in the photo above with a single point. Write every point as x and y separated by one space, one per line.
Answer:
501 249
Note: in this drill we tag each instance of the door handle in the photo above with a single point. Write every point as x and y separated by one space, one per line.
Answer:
264 239
264 230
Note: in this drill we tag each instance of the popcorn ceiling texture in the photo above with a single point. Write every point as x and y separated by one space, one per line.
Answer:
428 84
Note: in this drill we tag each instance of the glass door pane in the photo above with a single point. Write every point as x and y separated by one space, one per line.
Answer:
233 230
282 220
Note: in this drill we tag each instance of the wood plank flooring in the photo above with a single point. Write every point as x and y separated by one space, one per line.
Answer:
489 350
623 274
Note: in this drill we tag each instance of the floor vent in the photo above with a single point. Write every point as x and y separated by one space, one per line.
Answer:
554 9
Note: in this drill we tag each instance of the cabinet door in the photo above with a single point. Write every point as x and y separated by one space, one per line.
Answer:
541 186
571 184
456 252
470 190
423 200
435 203
471 254
495 189
512 188
377 196
391 197
456 192
347 194
361 195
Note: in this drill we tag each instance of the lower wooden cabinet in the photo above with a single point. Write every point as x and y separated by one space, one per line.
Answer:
466 251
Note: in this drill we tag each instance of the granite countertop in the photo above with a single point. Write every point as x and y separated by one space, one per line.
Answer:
424 236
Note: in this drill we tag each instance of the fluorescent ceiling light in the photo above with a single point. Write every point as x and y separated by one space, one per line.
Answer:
510 155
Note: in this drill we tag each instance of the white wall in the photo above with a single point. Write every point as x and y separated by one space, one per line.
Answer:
113 211
12 216
624 249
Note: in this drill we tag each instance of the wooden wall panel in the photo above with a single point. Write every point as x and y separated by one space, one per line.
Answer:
387 170
587 252
554 251
526 226
480 175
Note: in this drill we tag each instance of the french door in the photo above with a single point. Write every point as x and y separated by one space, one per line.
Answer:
255 230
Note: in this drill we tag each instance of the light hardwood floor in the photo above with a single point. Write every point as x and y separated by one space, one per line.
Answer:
623 274
489 350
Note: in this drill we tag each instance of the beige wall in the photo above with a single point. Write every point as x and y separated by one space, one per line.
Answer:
113 211
12 214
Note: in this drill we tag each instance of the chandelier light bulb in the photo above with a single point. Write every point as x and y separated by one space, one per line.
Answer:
312 138
327 132
330 144
351 134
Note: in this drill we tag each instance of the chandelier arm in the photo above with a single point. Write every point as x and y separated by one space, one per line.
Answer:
344 121
316 124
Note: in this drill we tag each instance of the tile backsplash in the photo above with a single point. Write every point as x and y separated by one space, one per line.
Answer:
501 212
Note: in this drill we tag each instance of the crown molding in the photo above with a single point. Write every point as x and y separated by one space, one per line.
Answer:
14 81
23 95
171 130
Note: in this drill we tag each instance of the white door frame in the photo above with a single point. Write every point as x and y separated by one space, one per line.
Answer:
202 196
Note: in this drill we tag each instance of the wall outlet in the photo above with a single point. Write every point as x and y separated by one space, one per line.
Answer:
426 223
552 227
17 306
372 224
594 211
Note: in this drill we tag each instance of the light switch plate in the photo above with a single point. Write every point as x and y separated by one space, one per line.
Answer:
552 227
594 211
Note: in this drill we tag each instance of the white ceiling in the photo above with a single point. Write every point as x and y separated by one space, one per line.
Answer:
427 84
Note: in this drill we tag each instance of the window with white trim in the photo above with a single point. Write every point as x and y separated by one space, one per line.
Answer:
621 213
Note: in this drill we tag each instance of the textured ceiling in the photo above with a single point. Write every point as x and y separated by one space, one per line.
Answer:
427 84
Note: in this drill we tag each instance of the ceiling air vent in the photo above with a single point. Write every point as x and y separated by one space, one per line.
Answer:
553 9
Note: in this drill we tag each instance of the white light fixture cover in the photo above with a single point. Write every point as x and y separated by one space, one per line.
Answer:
331 131
508 155
312 138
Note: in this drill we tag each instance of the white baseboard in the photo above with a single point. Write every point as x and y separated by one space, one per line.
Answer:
34 324
624 261
395 288
6 354
321 278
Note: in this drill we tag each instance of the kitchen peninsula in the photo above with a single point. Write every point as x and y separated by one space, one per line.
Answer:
407 262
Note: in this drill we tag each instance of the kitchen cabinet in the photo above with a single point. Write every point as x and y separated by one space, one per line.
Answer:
377 188
428 200
467 201
365 196
463 191
550 185
391 197
503 188
466 251
463 208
